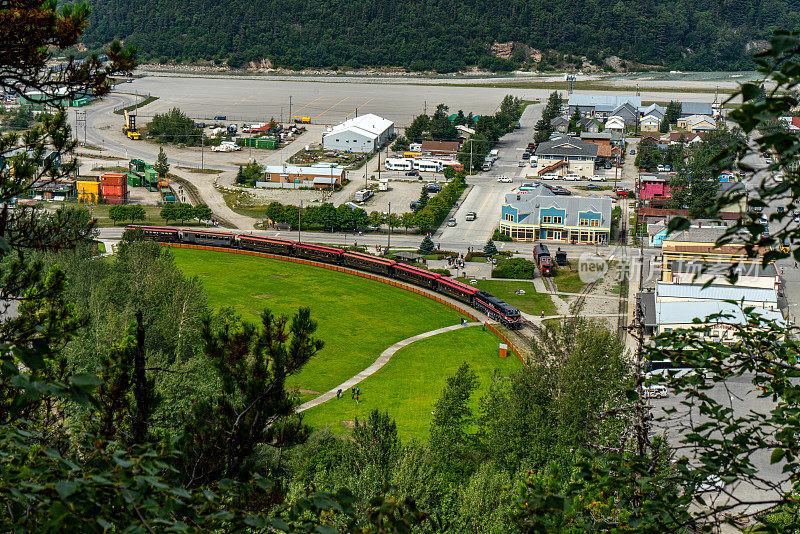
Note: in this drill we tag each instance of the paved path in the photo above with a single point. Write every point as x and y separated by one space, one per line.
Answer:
377 364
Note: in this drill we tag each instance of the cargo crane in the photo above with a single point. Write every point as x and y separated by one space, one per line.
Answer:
130 126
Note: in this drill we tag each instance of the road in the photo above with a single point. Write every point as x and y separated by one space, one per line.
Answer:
486 194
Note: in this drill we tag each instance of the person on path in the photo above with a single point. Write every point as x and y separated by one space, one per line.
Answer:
353 393
438 246
542 314
358 391
339 394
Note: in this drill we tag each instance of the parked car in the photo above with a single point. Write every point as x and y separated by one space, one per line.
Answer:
571 177
433 187
471 216
558 190
414 205
661 168
220 118
451 221
412 173
503 179
633 152
522 163
594 187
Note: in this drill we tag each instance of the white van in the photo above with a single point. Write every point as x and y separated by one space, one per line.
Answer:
571 177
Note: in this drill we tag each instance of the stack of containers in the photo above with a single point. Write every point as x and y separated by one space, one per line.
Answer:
115 187
88 189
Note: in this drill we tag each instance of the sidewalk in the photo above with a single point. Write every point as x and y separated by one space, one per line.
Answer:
382 360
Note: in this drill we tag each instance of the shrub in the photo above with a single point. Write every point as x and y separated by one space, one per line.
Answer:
498 236
443 272
514 268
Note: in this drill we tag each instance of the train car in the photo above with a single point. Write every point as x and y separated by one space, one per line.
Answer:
497 309
162 234
561 257
319 253
368 262
415 275
456 289
213 239
541 256
266 244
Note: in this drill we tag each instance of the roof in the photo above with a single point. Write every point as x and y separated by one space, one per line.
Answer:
440 146
615 118
325 180
688 137
651 118
609 101
368 125
556 121
294 169
626 106
596 135
652 108
716 292
530 202
697 235
647 301
722 269
694 119
697 108
686 312
567 146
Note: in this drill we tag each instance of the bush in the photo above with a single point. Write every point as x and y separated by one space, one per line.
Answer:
443 272
498 236
514 268
471 255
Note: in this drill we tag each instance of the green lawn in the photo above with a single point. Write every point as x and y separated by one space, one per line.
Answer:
411 382
531 302
358 318
568 281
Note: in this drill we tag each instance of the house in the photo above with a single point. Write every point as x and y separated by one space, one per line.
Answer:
628 112
598 138
691 292
696 108
317 176
363 134
699 244
566 155
650 123
599 106
654 186
541 215
615 124
669 316
559 124
685 138
463 132
658 231
697 123
590 124
654 110
440 148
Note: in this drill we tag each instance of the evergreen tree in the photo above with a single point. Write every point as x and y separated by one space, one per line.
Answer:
240 178
423 199
161 166
673 112
426 247
489 248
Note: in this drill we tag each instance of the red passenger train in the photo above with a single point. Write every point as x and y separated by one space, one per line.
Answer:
482 301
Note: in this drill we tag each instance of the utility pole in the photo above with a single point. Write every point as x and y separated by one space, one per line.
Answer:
298 220
290 107
389 236
425 107
202 149
471 144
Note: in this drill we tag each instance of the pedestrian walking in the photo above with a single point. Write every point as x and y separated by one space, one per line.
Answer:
339 394
542 314
438 246
357 399
358 391
353 393
795 265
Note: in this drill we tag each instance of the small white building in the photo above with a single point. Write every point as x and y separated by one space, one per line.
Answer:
363 134
650 123
615 124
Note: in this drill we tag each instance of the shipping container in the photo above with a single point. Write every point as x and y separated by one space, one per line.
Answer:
113 178
137 165
116 199
134 180
150 180
115 190
268 143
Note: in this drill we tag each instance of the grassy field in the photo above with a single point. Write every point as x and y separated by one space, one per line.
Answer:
358 318
531 302
568 281
409 385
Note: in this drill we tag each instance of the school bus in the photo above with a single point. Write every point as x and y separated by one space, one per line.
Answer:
411 154
302 120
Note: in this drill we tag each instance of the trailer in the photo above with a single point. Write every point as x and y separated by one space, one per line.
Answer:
543 260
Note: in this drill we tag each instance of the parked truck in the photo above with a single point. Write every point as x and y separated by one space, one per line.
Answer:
543 260
130 126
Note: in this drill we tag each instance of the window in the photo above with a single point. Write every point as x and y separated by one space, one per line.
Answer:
584 222
557 220
595 222
547 219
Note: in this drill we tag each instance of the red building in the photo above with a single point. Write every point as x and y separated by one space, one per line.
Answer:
654 186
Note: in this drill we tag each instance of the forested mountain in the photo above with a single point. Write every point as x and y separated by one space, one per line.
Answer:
444 35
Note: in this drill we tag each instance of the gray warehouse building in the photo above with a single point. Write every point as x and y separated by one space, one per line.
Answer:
362 134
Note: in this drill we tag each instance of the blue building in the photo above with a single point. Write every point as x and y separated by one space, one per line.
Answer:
540 215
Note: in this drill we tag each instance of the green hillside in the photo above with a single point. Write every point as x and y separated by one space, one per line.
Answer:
444 35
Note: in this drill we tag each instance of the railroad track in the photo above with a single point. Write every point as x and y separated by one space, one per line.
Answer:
549 284
577 304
